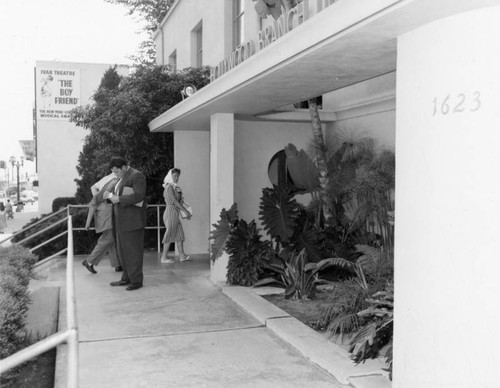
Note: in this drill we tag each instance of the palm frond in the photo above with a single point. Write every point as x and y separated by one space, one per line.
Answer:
343 325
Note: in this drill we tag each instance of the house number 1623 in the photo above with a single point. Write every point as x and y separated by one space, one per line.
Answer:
456 103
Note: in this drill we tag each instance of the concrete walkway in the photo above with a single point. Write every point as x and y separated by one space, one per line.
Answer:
179 330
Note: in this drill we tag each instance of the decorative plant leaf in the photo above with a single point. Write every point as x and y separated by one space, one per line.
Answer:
278 211
309 240
304 173
321 265
266 281
222 231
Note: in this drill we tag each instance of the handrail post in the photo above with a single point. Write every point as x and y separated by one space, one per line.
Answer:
71 312
158 228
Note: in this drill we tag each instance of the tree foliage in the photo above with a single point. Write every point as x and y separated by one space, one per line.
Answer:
152 13
118 121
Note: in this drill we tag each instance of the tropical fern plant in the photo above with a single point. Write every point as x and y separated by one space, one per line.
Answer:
298 276
242 242
376 332
222 230
244 247
372 270
278 213
289 224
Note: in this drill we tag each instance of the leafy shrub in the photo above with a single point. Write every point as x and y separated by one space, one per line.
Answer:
83 241
16 270
222 230
289 224
241 240
244 247
376 331
363 310
298 276
62 202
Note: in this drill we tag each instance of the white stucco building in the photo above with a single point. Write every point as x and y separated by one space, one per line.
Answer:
61 86
419 75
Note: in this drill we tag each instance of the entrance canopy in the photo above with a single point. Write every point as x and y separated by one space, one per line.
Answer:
346 43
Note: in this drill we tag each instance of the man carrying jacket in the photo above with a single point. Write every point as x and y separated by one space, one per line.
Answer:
129 221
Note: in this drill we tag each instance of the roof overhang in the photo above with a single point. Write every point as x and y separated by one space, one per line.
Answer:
346 43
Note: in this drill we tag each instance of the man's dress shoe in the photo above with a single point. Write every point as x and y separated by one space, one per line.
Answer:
90 267
133 287
120 283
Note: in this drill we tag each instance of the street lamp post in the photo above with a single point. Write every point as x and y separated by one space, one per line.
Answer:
17 163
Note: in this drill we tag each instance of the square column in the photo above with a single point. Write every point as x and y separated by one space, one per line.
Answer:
221 179
447 263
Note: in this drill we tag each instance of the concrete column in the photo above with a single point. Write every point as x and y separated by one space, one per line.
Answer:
221 178
191 152
448 203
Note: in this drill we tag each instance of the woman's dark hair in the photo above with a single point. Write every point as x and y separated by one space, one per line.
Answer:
176 170
117 162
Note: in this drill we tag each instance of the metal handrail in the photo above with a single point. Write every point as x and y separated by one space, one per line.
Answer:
69 336
67 209
33 225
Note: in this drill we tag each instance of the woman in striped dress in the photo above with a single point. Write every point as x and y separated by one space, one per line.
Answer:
174 204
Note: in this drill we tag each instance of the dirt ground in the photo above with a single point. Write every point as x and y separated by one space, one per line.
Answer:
306 311
38 373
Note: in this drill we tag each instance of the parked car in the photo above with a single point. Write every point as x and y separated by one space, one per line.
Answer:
29 196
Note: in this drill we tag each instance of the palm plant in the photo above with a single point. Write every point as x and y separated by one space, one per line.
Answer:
361 194
376 332
298 276
372 270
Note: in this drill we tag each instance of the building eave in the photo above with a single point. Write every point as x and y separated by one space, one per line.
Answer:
348 42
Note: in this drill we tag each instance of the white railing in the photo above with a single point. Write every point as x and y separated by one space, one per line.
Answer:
69 335
67 209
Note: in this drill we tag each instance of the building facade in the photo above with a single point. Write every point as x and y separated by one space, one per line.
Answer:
60 87
420 76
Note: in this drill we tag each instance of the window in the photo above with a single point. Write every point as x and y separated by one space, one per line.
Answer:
305 104
197 46
172 60
238 22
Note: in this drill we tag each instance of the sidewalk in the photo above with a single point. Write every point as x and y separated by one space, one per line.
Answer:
20 219
179 330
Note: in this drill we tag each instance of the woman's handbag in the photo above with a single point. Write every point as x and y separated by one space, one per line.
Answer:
187 206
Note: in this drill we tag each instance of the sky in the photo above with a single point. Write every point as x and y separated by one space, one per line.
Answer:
90 31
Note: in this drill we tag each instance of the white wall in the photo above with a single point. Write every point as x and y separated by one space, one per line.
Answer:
181 21
448 204
59 143
365 109
255 145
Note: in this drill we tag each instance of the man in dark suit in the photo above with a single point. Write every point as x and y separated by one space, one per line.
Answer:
129 221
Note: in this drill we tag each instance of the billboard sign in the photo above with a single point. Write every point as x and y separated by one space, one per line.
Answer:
28 147
57 92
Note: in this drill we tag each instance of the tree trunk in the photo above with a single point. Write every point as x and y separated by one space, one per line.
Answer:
321 154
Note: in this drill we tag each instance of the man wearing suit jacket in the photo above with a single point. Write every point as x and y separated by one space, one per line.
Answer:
129 221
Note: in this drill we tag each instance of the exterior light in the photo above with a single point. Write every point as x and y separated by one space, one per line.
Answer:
188 91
